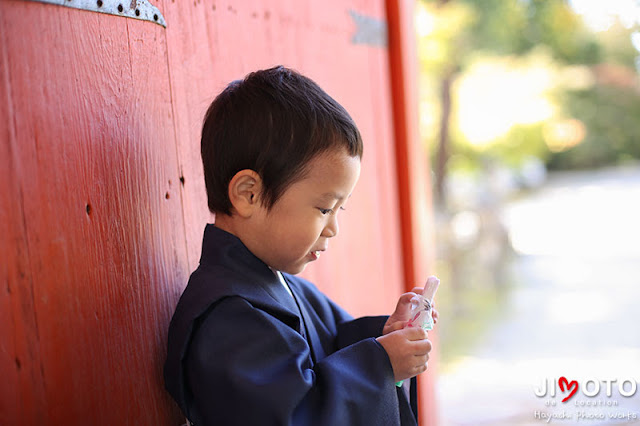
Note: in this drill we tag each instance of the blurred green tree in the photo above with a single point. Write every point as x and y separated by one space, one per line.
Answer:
610 107
454 33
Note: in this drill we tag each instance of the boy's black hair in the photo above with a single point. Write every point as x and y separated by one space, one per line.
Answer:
273 122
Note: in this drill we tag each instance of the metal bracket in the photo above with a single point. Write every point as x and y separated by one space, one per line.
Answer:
136 9
369 30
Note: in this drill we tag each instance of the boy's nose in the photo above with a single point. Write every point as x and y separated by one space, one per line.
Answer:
331 230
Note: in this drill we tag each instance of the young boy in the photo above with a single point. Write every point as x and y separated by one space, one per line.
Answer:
249 342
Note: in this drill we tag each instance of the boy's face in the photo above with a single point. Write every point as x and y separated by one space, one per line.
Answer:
297 228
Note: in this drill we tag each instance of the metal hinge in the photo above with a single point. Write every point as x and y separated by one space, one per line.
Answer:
136 9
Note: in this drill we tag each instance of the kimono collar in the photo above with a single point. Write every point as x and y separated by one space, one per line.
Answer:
227 269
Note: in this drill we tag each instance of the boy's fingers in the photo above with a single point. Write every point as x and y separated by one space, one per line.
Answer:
403 308
419 369
415 333
422 348
421 359
398 325
406 298
417 290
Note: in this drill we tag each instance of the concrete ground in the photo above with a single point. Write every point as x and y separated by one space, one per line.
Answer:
573 311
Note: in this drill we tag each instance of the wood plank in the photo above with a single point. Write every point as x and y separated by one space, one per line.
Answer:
96 159
22 390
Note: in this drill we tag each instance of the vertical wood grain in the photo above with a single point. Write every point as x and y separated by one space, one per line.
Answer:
22 390
101 220
94 156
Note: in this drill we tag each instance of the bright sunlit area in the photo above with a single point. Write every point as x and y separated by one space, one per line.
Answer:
530 111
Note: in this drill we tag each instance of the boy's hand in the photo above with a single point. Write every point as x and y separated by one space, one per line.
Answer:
402 314
408 350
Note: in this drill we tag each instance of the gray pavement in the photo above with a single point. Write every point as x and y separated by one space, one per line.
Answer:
573 311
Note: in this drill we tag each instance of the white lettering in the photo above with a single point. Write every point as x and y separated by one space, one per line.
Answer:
608 382
628 416
632 391
543 390
596 387
591 387
595 403
589 416
547 417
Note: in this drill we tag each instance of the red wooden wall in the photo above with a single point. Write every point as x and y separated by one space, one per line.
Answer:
103 203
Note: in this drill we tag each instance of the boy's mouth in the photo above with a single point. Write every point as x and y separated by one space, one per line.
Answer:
315 254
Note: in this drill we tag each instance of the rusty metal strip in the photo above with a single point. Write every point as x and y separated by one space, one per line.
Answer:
135 9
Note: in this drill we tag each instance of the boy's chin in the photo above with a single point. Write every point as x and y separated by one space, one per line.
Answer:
294 270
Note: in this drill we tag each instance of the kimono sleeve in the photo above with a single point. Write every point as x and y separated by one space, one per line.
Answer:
244 366
353 331
347 329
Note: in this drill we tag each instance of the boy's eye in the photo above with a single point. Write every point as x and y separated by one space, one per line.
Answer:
329 211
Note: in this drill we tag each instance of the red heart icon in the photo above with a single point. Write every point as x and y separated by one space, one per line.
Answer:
563 382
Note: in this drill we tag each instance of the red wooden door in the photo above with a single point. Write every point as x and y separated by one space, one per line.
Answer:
103 206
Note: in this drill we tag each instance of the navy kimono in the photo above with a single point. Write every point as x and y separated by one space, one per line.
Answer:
243 351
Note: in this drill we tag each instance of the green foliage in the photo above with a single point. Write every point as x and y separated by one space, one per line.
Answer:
448 43
499 26
613 129
519 144
555 25
608 109
514 27
617 47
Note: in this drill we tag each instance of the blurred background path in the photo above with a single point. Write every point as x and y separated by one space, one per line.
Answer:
568 305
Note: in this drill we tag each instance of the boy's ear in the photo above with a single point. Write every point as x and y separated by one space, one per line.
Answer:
244 191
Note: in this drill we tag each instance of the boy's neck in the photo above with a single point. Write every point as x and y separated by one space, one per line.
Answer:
235 226
226 223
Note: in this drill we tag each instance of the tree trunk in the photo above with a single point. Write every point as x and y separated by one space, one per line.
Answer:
443 138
